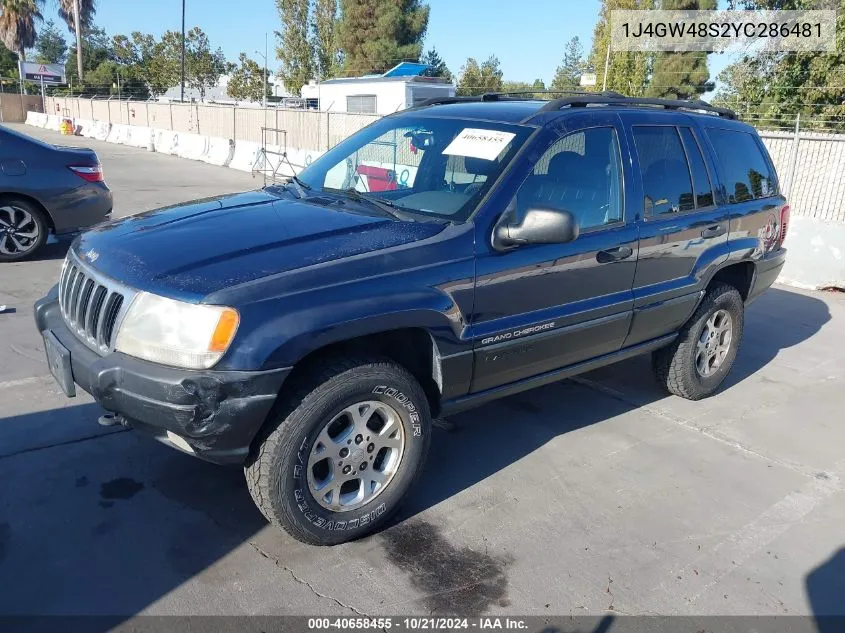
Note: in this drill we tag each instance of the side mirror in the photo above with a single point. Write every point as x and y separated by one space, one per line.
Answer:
539 226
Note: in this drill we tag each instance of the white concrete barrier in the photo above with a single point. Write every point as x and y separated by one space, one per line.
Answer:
165 141
139 136
219 151
82 127
191 146
118 133
815 254
245 155
53 122
301 158
100 130
36 119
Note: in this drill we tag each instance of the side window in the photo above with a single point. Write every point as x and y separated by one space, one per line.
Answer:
667 183
581 173
747 173
700 178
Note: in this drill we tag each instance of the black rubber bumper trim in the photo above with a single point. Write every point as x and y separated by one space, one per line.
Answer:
217 412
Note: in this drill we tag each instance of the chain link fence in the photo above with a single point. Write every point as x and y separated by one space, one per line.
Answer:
810 164
306 129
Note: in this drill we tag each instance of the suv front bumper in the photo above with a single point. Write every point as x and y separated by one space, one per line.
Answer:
210 414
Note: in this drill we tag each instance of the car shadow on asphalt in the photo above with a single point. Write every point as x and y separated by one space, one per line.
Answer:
479 443
825 587
112 526
54 249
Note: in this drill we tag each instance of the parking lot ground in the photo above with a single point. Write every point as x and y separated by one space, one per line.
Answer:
594 495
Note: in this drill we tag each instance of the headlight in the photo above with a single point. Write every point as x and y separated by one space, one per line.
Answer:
176 333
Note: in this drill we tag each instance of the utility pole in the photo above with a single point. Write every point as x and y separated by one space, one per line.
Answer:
606 67
78 38
182 98
266 52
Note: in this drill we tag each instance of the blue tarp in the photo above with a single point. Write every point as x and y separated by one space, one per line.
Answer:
406 69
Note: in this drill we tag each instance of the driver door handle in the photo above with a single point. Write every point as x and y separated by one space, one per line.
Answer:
714 231
614 254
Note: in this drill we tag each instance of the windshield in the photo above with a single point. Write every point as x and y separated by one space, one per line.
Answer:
428 166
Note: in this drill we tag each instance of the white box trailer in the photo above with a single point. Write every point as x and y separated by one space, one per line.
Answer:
395 90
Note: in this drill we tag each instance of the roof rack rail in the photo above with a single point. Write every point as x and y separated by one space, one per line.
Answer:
614 98
496 96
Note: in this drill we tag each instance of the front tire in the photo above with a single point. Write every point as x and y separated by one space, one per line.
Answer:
699 360
341 451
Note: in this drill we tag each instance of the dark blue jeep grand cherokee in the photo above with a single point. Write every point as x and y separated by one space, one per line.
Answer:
442 257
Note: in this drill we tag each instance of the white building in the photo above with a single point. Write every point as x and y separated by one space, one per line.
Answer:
399 88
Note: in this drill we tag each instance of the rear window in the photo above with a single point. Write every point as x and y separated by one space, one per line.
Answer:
747 174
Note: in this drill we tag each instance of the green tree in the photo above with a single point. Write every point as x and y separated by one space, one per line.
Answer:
628 72
436 66
50 45
295 50
526 88
568 74
809 84
324 38
681 75
743 86
8 62
478 79
246 82
17 24
159 61
96 48
203 65
375 35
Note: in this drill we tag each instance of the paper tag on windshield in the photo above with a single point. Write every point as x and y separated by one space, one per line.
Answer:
477 143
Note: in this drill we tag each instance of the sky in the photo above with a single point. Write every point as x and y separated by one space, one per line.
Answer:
528 37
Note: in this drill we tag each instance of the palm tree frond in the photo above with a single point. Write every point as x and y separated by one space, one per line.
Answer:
87 8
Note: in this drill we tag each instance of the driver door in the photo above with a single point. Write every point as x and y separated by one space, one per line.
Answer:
545 306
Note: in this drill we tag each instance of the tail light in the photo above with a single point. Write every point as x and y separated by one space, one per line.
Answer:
91 173
784 224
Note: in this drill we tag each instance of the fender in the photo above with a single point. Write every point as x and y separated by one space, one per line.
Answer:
306 323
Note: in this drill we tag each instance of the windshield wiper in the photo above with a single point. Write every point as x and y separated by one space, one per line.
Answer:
301 186
384 205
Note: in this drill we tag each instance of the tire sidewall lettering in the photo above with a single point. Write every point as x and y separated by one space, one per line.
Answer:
403 401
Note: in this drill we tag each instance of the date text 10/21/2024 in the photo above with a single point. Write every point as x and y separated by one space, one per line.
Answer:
418 624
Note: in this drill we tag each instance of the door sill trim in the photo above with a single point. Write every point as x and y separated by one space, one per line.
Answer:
470 401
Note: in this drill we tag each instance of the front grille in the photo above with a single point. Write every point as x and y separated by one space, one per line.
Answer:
91 304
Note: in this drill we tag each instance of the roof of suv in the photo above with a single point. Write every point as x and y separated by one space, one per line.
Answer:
505 108
511 111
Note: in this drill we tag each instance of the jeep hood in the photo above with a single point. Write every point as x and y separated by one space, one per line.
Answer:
191 250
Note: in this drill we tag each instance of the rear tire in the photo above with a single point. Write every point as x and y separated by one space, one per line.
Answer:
23 229
341 450
699 360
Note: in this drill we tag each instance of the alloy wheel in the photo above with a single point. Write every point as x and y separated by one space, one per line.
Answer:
19 230
356 455
714 343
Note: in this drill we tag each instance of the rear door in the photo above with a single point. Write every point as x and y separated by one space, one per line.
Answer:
750 188
683 226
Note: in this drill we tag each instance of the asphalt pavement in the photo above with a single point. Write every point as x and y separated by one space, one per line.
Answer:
591 496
